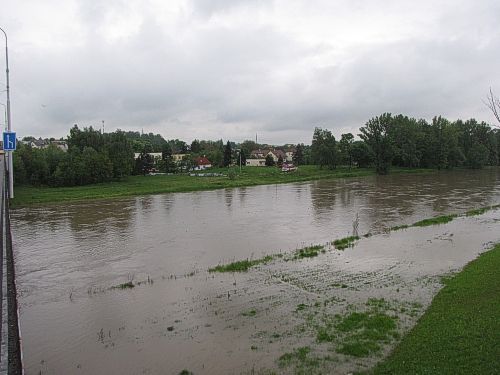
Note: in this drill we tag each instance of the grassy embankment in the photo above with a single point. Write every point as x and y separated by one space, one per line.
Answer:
460 332
144 185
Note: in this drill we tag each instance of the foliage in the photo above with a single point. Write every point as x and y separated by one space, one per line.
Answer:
345 242
241 266
279 163
324 149
144 163
92 157
269 161
362 156
346 148
140 141
376 135
298 156
308 252
435 220
227 155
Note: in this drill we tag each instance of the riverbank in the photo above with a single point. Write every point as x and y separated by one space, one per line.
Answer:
460 332
145 185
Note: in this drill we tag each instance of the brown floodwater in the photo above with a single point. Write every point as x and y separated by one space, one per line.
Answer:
180 316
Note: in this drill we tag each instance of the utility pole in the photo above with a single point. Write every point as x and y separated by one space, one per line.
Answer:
9 120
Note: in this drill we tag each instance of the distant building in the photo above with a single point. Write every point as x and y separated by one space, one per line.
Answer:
256 162
178 157
201 163
60 144
275 154
44 143
155 155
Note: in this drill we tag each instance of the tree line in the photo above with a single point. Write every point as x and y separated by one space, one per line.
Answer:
92 157
385 141
401 141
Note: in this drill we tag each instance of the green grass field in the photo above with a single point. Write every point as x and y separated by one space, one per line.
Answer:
460 332
144 185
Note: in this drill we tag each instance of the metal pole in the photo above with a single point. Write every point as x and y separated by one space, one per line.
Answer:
9 120
5 115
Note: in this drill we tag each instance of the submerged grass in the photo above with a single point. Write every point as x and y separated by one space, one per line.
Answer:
304 362
127 285
435 220
482 210
344 243
358 334
308 252
460 332
241 265
446 218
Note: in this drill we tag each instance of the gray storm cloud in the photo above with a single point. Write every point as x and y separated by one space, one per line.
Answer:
229 69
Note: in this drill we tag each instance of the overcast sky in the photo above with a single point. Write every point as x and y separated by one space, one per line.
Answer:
233 68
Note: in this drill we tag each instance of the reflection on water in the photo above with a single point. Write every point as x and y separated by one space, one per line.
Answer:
69 248
73 246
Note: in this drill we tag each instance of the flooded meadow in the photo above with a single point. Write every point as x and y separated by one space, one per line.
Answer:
123 286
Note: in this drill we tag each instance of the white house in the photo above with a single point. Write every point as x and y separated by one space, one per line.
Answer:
256 162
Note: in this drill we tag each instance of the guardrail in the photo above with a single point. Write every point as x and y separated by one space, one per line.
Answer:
11 358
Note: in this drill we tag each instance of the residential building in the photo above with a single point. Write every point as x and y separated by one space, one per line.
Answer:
201 163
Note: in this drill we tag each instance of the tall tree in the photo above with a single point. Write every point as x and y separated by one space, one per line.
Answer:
298 155
227 155
345 146
195 146
376 135
324 148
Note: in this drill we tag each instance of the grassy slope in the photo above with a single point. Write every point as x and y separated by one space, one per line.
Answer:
460 332
143 185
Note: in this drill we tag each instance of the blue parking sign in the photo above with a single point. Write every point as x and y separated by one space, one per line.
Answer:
9 141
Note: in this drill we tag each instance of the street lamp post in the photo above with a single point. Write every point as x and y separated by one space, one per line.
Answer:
9 125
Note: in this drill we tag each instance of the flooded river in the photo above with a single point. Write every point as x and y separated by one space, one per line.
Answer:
178 316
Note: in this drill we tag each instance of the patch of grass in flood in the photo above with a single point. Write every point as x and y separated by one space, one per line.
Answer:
127 285
344 243
365 331
249 313
308 252
482 210
460 331
435 220
302 361
446 218
399 227
241 265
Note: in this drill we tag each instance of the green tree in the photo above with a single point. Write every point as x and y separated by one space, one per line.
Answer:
144 163
269 160
120 153
376 135
248 146
227 155
324 148
279 164
345 146
195 146
298 155
361 154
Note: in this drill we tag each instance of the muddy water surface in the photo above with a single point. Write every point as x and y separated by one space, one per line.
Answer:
181 316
